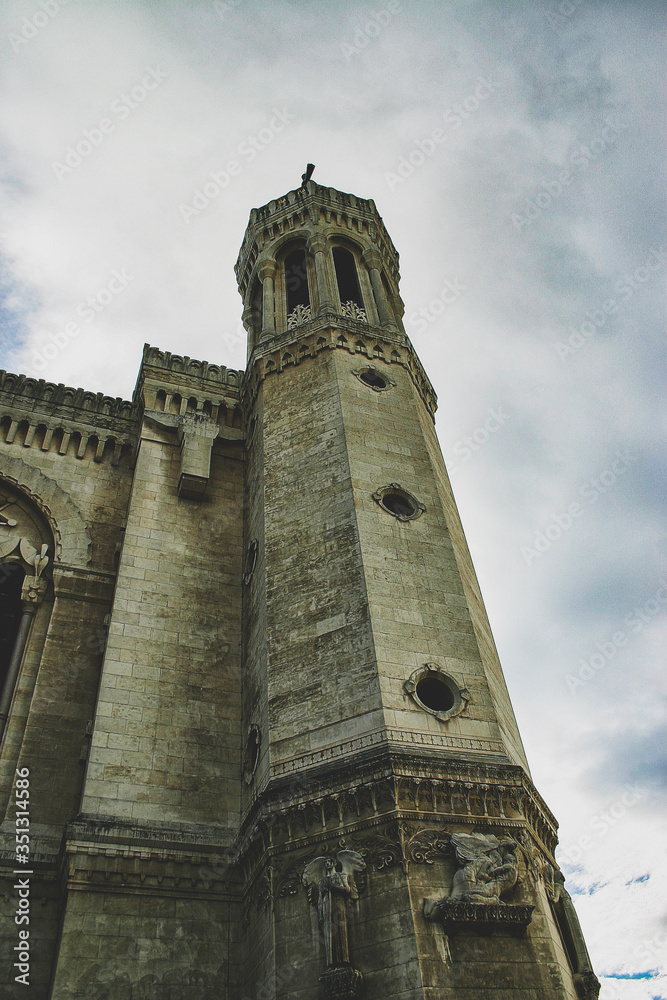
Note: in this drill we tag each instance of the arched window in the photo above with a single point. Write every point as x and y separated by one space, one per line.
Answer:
11 580
296 288
348 283
256 303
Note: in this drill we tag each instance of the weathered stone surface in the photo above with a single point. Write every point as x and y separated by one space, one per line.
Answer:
240 787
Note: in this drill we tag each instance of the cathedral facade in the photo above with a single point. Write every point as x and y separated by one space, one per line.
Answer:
256 739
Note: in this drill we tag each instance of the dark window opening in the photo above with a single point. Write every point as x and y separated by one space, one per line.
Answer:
296 280
11 582
433 692
346 276
374 379
398 504
256 305
252 751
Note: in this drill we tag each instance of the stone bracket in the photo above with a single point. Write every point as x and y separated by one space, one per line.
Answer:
196 434
483 918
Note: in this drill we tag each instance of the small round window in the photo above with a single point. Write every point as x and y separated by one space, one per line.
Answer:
374 379
436 692
397 501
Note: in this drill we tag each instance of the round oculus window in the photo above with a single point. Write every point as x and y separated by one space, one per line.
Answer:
397 501
436 692
398 504
373 379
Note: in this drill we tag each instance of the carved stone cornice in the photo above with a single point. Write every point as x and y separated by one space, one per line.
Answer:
482 918
501 799
334 332
103 856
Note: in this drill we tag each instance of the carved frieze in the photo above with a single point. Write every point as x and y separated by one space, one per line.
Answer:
482 918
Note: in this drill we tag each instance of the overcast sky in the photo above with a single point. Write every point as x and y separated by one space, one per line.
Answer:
514 152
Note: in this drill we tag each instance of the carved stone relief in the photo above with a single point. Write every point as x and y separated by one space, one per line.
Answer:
330 885
487 870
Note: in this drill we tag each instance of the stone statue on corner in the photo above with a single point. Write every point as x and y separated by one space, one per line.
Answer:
331 883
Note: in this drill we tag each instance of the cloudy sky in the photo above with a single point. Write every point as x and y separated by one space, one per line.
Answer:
514 152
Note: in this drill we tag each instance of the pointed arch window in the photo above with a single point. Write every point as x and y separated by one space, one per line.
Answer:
348 284
296 289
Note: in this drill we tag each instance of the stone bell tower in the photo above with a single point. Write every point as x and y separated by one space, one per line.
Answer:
392 844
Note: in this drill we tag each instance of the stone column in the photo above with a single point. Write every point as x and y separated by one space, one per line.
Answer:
32 595
318 247
373 262
266 272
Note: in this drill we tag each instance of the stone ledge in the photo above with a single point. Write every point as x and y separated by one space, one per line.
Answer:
482 918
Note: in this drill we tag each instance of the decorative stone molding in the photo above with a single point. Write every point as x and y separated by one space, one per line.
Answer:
299 315
460 696
354 311
154 360
334 332
196 432
500 799
70 534
482 918
317 243
399 502
374 379
35 412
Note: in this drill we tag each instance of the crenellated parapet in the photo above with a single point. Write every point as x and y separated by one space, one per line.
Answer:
179 384
315 252
68 421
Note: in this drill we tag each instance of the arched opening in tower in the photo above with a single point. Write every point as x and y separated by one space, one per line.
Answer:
296 280
346 276
11 582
